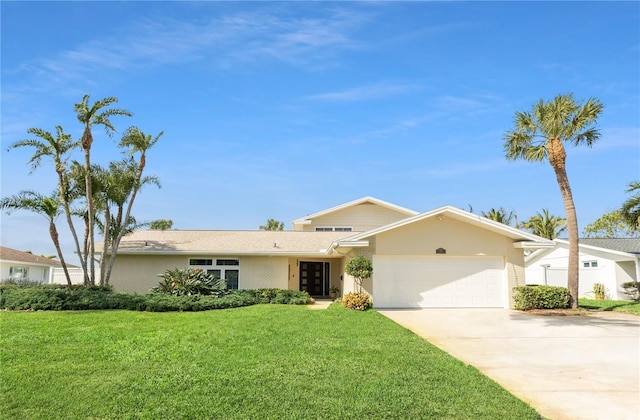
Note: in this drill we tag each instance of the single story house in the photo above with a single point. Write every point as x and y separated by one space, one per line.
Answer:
607 261
20 265
445 257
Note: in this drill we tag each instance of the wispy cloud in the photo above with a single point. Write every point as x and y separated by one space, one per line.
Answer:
361 93
222 41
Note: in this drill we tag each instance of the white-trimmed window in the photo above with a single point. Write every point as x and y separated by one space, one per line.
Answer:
590 264
18 272
221 268
333 229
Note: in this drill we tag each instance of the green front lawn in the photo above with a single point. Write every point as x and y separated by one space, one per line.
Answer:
611 305
263 361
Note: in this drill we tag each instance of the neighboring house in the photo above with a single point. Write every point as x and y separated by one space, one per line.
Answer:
607 261
19 265
446 257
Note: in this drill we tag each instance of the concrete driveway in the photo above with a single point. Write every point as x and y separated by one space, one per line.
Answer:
566 367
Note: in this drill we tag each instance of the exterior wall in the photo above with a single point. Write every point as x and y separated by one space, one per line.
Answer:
76 274
263 272
360 218
458 238
37 273
139 273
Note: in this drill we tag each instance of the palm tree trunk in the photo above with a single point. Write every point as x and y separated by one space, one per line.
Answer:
557 158
105 246
53 232
67 212
87 140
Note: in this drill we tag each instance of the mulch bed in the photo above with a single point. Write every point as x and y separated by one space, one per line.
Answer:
558 312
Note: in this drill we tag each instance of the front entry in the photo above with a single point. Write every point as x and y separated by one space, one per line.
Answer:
314 278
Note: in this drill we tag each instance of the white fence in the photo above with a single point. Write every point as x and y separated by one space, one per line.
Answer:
76 275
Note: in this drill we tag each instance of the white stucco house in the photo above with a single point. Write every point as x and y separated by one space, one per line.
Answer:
20 265
607 261
445 257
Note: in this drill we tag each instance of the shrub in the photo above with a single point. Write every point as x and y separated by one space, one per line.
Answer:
632 289
540 297
358 301
186 282
359 268
60 297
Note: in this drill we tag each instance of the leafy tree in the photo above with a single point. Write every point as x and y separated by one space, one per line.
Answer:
631 207
539 135
500 215
49 207
359 268
610 225
273 224
161 224
58 148
546 225
90 115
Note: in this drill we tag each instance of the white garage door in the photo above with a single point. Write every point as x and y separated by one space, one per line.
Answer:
437 282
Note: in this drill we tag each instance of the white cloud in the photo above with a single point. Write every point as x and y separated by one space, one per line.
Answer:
362 93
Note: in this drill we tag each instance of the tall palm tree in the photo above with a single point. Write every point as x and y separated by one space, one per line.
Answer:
139 143
546 225
631 207
57 147
91 115
500 215
539 135
49 207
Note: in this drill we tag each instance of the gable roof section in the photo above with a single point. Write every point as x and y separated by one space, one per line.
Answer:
307 219
13 255
527 240
228 242
627 248
628 245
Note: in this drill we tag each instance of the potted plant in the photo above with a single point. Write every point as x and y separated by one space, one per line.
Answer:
598 291
333 291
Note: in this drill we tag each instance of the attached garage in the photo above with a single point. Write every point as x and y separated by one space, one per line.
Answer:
438 281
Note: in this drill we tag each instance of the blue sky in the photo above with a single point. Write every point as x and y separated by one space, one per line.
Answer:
280 109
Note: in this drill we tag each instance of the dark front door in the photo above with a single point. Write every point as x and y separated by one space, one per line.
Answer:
314 278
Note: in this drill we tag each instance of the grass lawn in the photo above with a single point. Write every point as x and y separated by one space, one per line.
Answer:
611 305
263 361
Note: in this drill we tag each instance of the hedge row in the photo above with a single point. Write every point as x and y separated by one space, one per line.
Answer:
58 298
540 297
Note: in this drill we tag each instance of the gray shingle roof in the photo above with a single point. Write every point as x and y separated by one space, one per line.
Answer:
630 245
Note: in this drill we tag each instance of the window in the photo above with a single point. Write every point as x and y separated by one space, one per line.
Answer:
220 268
333 229
18 272
590 264
195 261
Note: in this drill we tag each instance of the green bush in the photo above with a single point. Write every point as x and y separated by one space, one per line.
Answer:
540 297
190 281
60 297
632 289
358 301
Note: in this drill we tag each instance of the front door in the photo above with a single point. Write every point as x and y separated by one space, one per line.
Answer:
314 278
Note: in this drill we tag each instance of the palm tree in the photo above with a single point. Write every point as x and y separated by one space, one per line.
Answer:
546 225
131 178
500 215
539 135
49 207
273 224
90 116
631 208
58 148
